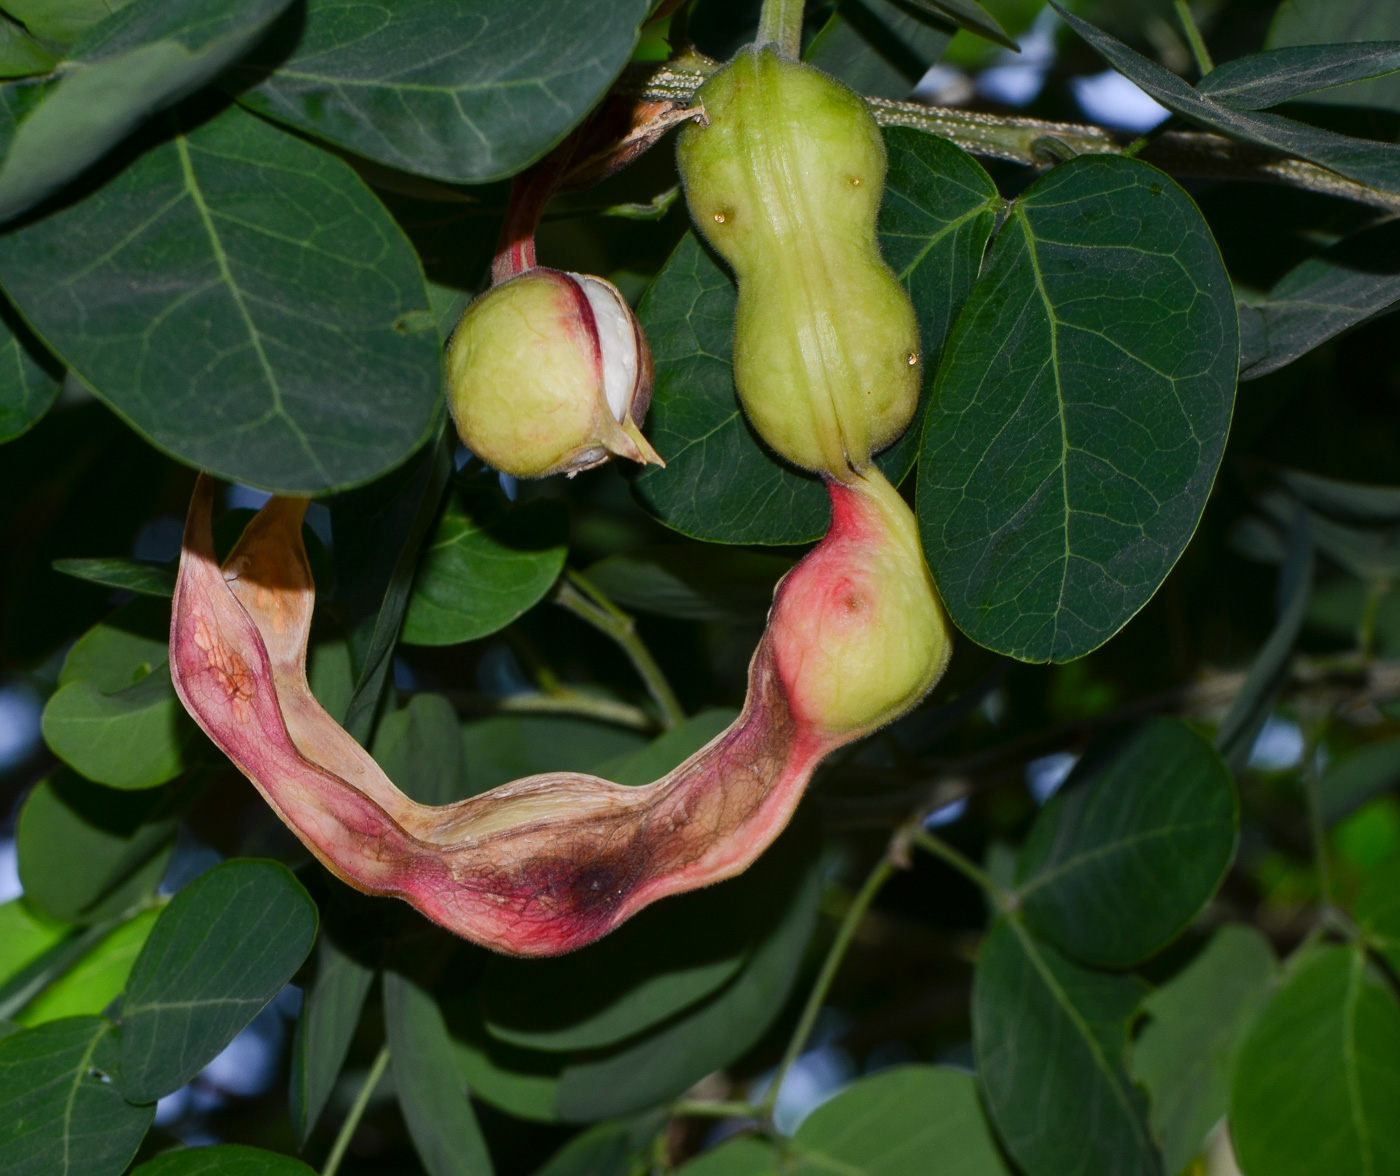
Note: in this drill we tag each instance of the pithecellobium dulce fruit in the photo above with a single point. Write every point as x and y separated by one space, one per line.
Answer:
549 863
789 170
548 373
785 182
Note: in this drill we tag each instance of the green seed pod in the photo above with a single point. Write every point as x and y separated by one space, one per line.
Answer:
785 182
549 373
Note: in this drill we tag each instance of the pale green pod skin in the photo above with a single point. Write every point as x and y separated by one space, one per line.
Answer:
526 377
785 182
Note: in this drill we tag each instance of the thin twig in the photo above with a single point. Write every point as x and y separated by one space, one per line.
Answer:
587 602
1033 141
561 701
1194 38
357 1110
835 954
716 1110
964 865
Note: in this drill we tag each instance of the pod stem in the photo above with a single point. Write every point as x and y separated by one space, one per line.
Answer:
530 191
780 24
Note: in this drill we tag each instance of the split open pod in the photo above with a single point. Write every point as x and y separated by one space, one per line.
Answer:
543 865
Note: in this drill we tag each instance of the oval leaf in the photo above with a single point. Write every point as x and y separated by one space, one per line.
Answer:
1127 854
1080 413
139 60
1051 1039
220 951
329 1016
61 1107
431 1095
896 1123
463 92
88 853
138 737
1185 1056
1318 1079
720 483
29 377
223 1159
255 312
484 568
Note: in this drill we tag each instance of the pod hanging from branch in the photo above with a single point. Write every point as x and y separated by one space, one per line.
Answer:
546 864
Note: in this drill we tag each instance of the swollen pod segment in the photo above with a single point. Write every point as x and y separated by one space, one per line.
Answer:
546 864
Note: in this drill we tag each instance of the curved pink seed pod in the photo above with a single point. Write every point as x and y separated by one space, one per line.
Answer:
539 866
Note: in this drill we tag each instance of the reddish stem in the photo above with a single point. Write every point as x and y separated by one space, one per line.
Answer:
529 193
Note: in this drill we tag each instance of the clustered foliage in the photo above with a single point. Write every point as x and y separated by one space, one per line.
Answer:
1121 898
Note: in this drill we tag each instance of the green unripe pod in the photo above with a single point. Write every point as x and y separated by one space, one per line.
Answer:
549 373
785 181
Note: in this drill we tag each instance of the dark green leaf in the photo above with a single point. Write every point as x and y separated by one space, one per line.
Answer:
970 15
746 1156
1318 299
1318 1078
1051 1041
379 530
121 649
901 1122
656 965
145 57
668 749
1255 701
20 53
221 950
463 92
506 747
608 1149
61 1107
483 568
87 852
1376 165
1185 1056
692 583
1080 412
662 1064
1377 913
877 47
61 21
96 979
420 750
520 1082
1130 850
129 575
29 377
331 678
431 1096
1352 780
1279 75
329 1016
253 312
138 737
1324 22
223 1159
720 483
